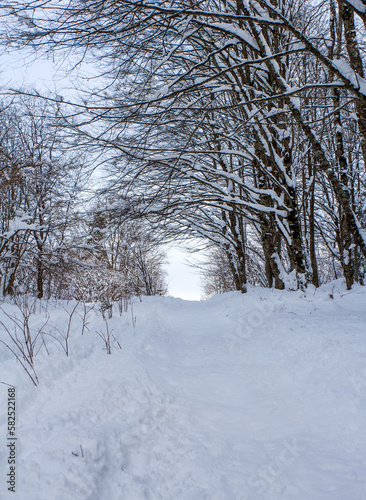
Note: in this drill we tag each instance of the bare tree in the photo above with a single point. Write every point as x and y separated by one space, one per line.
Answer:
209 123
38 193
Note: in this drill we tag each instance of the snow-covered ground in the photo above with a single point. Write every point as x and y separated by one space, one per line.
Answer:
241 397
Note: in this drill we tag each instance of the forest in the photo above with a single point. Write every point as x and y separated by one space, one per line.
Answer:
237 129
238 125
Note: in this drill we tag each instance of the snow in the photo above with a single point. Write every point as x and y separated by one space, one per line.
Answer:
238 32
358 5
20 224
345 70
243 397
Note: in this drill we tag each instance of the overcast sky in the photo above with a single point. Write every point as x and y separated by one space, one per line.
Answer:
183 279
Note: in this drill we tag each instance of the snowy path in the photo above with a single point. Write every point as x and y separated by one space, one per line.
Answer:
237 398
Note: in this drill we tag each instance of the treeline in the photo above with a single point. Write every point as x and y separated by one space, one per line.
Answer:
53 240
239 122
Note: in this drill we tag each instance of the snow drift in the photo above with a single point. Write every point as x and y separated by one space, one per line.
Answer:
241 397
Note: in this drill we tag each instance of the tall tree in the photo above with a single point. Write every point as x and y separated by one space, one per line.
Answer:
39 188
207 115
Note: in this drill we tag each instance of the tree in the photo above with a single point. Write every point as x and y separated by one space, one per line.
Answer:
38 194
117 261
209 116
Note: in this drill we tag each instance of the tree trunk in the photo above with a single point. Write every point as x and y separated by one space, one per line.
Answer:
39 278
350 36
312 252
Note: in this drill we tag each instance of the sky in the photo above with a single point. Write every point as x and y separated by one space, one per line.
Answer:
17 72
183 279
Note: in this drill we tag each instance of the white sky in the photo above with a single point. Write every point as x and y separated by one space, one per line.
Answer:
183 280
17 72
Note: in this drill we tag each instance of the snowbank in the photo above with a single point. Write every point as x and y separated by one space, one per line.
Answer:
241 397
